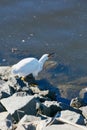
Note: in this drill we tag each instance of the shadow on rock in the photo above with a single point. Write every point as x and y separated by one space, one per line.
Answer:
45 85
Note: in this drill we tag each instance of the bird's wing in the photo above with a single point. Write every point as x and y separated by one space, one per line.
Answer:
26 66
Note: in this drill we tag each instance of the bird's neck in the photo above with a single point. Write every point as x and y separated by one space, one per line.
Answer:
42 60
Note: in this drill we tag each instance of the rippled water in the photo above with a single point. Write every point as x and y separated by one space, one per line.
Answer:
35 27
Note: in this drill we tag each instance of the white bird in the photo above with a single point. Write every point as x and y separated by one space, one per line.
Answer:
29 66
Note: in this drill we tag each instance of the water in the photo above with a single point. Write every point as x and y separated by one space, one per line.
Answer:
35 27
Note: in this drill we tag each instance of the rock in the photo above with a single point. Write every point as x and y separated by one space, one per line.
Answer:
72 117
5 72
29 118
5 121
26 127
2 109
84 111
20 104
34 125
6 90
18 84
83 95
50 64
61 127
1 82
36 90
10 80
77 102
43 92
62 100
81 100
49 108
68 107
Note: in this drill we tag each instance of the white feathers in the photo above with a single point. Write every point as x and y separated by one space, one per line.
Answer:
29 66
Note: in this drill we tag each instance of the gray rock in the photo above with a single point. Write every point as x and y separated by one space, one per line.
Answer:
5 72
1 82
68 107
49 108
36 90
73 117
43 92
83 95
77 102
2 109
28 126
10 80
84 111
29 118
20 104
62 127
34 125
6 90
5 121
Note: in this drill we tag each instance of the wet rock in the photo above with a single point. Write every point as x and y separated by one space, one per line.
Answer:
83 95
77 102
72 117
68 107
50 64
62 100
5 121
49 108
20 104
81 100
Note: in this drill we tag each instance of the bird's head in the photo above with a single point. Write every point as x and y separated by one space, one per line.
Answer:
43 59
46 57
50 54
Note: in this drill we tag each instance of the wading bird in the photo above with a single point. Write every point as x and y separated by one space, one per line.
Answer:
29 66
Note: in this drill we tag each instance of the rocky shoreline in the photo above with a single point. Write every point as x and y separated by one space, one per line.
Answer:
27 107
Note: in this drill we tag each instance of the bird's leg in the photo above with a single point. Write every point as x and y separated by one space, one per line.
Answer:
23 78
31 80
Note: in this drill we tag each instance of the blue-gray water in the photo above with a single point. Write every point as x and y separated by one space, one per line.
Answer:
35 27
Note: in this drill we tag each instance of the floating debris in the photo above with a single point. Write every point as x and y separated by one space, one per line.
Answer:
3 60
31 34
23 40
14 50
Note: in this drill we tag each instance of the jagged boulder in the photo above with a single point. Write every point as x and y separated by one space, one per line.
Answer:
49 108
6 121
5 72
84 111
72 117
20 104
29 118
62 127
83 95
6 90
77 102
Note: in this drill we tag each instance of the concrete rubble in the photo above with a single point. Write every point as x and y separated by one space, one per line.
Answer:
27 107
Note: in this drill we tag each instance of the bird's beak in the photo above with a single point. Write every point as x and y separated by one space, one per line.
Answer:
51 54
